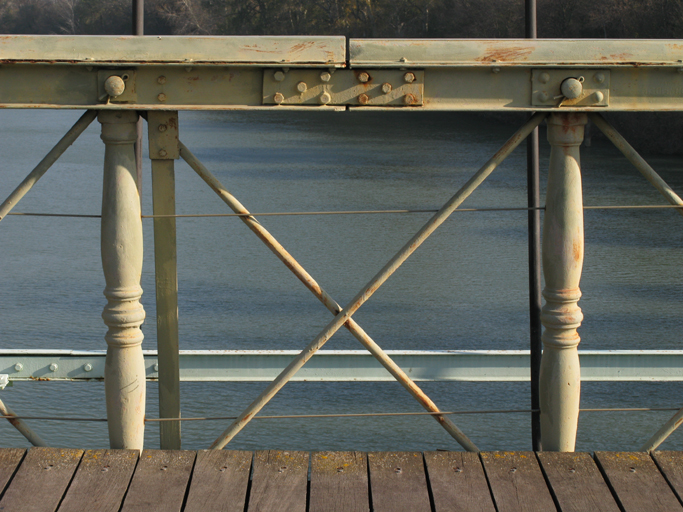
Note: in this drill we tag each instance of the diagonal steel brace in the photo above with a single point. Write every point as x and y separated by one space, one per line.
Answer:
345 315
324 297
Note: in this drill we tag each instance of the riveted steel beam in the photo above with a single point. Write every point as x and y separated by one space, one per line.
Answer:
238 72
347 365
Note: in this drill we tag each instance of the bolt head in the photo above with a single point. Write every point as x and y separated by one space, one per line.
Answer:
363 77
301 87
161 79
279 76
54 367
543 96
161 97
598 96
156 367
163 127
386 87
363 99
278 97
18 367
495 70
87 367
599 78
325 98
409 77
408 99
114 86
162 152
544 78
325 76
571 88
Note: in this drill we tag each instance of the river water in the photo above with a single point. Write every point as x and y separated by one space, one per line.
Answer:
465 288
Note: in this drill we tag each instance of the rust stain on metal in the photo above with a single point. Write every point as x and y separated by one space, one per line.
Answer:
511 53
301 47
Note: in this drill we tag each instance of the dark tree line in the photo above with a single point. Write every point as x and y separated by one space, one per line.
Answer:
353 18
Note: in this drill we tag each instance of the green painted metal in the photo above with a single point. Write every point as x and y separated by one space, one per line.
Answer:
348 365
238 72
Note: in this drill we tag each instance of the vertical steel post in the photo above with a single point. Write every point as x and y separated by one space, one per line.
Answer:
124 373
163 149
560 379
138 30
534 225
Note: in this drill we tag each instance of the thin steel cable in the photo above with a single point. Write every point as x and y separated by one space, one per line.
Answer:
352 415
353 212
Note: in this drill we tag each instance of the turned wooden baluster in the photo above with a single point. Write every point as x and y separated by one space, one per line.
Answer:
124 374
560 380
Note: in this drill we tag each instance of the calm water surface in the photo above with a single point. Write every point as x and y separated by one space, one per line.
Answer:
465 288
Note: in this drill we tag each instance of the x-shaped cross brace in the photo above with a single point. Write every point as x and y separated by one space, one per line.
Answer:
343 316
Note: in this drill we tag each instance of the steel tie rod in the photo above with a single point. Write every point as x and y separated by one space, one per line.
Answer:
42 167
21 425
638 161
342 317
324 297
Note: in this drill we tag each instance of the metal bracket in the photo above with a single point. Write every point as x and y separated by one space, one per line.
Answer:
129 94
4 380
372 87
162 130
546 89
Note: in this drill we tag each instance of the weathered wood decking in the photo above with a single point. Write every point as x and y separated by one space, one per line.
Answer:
68 480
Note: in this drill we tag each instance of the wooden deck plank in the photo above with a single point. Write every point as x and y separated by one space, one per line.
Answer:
160 481
40 481
458 482
9 460
279 482
636 482
517 482
339 482
219 481
671 466
398 482
576 482
101 481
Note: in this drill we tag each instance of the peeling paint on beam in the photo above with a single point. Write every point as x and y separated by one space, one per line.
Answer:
515 52
174 50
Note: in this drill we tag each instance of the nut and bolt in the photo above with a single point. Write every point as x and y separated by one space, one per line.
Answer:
87 367
18 367
325 76
279 76
114 86
278 97
325 98
162 153
398 471
301 87
161 79
363 77
161 97
363 99
409 99
409 77
386 87
54 367
544 78
163 127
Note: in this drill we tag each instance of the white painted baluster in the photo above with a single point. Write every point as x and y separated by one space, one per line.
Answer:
124 374
560 379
